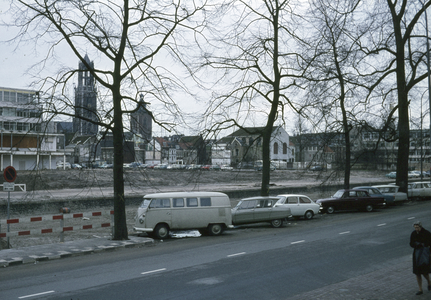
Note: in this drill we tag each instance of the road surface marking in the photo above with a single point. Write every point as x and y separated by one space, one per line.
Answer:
345 232
383 224
34 295
236 254
154 271
411 218
297 242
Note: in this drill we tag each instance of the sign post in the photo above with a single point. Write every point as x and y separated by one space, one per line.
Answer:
9 175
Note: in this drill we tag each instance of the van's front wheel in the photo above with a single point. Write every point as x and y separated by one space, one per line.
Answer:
161 231
215 229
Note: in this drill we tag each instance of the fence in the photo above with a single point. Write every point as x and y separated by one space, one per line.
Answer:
61 229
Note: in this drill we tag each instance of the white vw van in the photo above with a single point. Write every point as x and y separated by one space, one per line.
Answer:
209 212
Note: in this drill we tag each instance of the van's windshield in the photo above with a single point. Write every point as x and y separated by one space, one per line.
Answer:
145 203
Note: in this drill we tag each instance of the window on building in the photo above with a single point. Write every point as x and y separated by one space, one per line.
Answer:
275 148
8 97
284 148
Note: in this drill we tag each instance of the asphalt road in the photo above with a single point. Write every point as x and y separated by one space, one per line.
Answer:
249 262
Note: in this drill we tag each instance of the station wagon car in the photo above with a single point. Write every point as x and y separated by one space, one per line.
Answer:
392 190
350 199
419 190
260 209
300 205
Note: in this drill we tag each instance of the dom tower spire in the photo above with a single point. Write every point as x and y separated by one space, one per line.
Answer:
85 101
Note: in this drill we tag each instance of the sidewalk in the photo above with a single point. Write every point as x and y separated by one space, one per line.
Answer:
34 254
395 282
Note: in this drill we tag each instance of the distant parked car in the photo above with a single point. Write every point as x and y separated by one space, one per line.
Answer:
63 165
226 168
300 205
350 199
419 190
390 189
316 168
260 209
375 192
391 175
215 167
161 167
76 166
413 174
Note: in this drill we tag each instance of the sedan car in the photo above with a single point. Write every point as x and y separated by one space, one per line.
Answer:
391 175
375 192
350 199
300 205
260 209
390 189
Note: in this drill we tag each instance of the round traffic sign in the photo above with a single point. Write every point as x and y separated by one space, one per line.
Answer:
9 174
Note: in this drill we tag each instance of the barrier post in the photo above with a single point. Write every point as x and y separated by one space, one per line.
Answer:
62 231
112 224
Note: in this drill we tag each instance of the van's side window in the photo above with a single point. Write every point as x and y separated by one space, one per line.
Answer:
178 202
205 201
160 203
192 202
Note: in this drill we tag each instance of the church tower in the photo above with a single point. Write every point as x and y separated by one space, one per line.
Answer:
85 101
141 121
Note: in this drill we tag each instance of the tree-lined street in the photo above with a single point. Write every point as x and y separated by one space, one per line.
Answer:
253 262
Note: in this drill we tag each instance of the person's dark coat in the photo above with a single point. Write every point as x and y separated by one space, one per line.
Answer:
418 240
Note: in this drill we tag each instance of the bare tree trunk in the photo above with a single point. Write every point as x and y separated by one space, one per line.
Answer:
403 105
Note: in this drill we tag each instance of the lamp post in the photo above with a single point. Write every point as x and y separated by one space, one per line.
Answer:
428 65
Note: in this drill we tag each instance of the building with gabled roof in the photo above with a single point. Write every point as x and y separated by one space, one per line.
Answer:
245 147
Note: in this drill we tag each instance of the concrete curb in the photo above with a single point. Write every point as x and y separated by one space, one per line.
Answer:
35 254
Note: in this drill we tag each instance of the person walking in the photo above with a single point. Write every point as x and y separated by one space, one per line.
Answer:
420 241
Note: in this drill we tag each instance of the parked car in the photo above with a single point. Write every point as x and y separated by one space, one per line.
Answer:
350 199
390 189
161 167
215 167
226 168
106 166
375 192
260 209
391 175
316 168
76 166
419 190
63 165
413 174
300 205
209 212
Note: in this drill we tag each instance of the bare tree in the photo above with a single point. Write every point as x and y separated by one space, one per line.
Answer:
396 45
255 66
127 37
333 53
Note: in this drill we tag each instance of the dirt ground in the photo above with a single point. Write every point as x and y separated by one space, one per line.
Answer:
79 179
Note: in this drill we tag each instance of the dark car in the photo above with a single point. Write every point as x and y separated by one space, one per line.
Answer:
316 168
375 192
350 199
260 209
